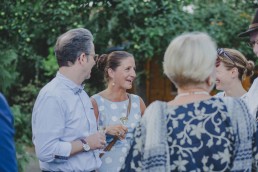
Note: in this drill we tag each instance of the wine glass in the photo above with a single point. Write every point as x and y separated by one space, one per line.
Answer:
124 121
102 123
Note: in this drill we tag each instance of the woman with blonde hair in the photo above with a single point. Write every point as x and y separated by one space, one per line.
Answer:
194 131
232 68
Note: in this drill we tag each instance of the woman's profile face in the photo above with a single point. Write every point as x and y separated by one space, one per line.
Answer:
223 77
125 74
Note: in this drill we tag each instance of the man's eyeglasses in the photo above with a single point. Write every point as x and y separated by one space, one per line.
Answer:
252 43
95 56
222 53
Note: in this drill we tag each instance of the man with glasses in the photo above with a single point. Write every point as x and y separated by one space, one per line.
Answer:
63 122
252 95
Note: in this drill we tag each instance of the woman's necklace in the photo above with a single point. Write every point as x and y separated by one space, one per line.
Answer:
192 93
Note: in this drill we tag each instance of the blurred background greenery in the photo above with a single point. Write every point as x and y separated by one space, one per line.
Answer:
29 28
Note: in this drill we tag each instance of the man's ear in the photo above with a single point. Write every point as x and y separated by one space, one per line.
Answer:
83 57
80 58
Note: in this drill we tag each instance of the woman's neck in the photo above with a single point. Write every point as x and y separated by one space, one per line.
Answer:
235 91
114 94
189 95
193 90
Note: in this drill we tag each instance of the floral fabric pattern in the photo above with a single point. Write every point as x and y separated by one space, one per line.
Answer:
201 130
211 135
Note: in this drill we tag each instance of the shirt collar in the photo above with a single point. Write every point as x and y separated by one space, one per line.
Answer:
69 83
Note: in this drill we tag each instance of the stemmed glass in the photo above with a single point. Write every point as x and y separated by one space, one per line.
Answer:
124 121
102 123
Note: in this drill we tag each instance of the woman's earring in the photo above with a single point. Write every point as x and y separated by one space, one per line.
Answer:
113 84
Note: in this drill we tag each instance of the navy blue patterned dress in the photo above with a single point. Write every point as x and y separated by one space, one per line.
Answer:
217 134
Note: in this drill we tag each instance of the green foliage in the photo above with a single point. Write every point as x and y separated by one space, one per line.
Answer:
49 65
224 23
22 129
21 108
143 36
8 61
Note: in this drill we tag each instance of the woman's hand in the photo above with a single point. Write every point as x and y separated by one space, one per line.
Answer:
117 130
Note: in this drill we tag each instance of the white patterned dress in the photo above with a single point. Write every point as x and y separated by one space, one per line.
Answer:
113 160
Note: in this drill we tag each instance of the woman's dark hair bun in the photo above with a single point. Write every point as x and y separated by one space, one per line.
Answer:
101 62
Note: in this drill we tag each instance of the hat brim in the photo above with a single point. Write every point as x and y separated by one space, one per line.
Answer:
247 33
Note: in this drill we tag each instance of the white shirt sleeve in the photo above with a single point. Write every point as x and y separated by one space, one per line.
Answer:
49 123
251 98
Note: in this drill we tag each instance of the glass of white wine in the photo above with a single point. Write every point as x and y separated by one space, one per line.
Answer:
102 123
124 121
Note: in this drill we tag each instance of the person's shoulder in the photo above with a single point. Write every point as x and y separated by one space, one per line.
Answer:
95 96
157 104
134 96
253 87
236 107
230 101
53 89
2 99
154 108
100 95
4 106
220 94
255 81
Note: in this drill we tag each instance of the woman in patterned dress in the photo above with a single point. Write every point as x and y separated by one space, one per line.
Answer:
112 103
193 132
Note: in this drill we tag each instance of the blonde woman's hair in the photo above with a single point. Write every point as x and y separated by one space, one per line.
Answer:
190 59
